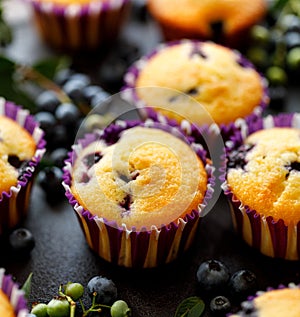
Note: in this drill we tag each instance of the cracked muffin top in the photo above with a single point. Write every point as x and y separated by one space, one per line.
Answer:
264 173
200 81
17 147
149 177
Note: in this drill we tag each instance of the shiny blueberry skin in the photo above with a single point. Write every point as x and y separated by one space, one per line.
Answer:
212 276
104 288
47 101
220 305
21 241
242 284
46 120
67 113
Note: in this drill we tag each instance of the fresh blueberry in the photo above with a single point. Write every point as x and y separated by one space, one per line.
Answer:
99 98
220 305
103 289
212 275
59 137
62 76
21 241
67 113
89 92
58 156
83 78
47 101
73 88
242 283
50 180
46 120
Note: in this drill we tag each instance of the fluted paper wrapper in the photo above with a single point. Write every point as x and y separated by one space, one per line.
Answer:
129 247
78 26
14 294
270 237
14 203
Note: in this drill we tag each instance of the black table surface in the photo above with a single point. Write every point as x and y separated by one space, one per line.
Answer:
61 253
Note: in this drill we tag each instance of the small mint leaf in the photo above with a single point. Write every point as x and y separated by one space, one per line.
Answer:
50 66
27 286
190 307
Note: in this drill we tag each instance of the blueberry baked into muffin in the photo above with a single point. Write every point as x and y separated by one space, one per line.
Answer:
223 21
138 190
202 82
262 184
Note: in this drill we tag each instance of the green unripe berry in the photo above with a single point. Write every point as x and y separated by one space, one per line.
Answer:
258 56
276 75
120 309
260 35
58 307
74 290
40 310
293 58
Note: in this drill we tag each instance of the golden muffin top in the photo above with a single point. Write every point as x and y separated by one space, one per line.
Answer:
147 178
6 309
203 80
197 16
69 2
16 147
264 173
279 303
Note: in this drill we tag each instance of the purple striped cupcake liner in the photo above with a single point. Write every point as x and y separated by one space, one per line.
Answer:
76 26
14 294
271 237
129 90
14 203
130 247
248 306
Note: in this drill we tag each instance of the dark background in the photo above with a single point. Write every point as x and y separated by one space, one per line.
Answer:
61 253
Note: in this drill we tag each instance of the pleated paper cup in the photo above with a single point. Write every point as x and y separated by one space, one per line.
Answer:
272 237
14 203
132 247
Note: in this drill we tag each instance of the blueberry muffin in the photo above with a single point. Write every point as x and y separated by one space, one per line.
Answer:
202 82
262 184
223 21
21 147
281 302
12 300
144 187
79 25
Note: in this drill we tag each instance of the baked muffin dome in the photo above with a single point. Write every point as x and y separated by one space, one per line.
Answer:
200 81
276 302
147 178
222 20
264 173
6 309
17 147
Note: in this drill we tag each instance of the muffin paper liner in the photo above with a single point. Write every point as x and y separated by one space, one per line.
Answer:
14 294
129 89
130 247
79 26
14 203
270 237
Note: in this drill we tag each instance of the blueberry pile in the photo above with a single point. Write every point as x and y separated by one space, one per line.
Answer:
60 113
275 49
222 289
102 291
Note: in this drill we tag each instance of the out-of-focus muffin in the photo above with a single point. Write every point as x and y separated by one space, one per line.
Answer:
79 25
138 189
224 21
202 82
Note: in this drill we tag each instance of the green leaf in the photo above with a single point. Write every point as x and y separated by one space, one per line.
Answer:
279 5
27 286
50 66
190 307
10 89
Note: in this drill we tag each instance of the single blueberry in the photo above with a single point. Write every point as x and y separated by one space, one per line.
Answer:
104 290
220 305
